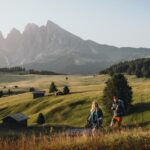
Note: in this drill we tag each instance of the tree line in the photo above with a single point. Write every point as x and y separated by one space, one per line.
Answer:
13 69
138 67
22 70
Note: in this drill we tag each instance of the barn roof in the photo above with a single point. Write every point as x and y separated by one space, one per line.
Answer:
18 117
38 92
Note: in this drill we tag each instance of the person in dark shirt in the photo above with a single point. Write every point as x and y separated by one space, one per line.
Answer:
118 111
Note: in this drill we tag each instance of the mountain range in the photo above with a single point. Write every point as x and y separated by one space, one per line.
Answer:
50 47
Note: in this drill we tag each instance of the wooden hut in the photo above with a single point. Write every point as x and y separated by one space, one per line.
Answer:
37 94
17 120
58 93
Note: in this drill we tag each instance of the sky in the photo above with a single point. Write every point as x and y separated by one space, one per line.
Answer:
122 23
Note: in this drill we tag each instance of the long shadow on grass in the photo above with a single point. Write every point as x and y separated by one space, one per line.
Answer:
46 129
78 92
61 108
142 124
140 107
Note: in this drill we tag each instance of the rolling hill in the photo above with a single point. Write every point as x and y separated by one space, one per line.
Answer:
72 109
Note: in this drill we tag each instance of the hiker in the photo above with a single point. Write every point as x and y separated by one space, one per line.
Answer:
118 111
95 117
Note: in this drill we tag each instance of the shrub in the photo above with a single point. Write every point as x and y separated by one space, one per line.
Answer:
1 94
138 73
16 86
53 88
31 89
40 119
66 90
10 92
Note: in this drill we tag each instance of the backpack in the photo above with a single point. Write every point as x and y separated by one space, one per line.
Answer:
121 108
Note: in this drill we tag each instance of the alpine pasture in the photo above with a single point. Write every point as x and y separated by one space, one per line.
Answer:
72 109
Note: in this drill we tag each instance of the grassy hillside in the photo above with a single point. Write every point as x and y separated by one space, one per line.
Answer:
71 109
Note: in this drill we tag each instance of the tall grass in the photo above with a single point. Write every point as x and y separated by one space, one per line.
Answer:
127 139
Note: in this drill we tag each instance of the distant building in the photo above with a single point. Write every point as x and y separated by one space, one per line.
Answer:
16 86
37 94
58 93
17 120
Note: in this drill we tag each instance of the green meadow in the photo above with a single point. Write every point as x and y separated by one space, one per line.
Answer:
72 109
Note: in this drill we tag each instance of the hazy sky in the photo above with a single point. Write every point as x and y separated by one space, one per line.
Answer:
113 22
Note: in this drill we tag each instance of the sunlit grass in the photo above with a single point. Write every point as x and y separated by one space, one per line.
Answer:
74 108
113 140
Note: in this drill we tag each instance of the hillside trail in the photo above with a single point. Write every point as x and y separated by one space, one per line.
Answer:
88 131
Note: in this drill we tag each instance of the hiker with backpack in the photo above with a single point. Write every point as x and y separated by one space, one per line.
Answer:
95 118
118 111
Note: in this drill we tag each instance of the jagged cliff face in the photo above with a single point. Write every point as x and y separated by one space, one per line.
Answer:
52 48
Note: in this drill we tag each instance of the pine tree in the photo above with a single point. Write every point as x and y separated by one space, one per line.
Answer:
138 72
40 119
66 90
10 92
53 88
118 86
1 93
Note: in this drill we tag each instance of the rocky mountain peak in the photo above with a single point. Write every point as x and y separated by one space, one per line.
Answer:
31 27
14 32
1 36
50 47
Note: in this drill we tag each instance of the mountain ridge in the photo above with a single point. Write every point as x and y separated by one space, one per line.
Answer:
51 47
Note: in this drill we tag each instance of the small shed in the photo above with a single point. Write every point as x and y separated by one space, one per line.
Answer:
58 93
37 94
17 120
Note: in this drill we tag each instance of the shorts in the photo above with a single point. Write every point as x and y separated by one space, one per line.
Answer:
116 119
